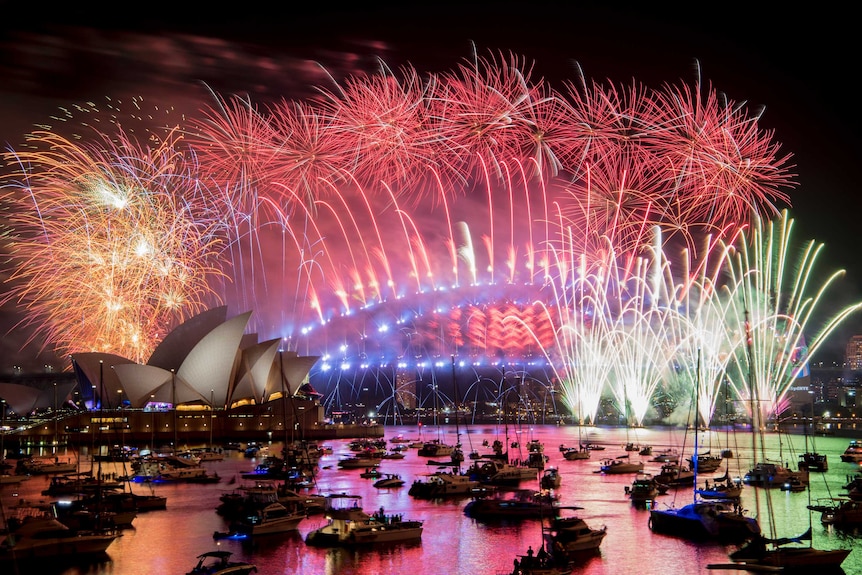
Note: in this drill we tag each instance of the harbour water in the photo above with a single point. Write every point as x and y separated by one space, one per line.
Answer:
167 541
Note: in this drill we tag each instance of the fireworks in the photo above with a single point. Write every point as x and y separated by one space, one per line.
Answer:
404 215
112 241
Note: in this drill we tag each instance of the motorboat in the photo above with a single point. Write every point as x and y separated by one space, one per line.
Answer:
436 448
550 479
644 489
620 464
536 457
570 537
371 473
853 452
362 460
498 472
389 480
267 520
767 474
576 453
219 563
205 455
514 505
840 512
247 498
347 524
46 538
705 463
813 461
446 484
793 485
669 455
674 475
45 466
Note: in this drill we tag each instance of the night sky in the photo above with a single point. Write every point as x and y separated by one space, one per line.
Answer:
799 65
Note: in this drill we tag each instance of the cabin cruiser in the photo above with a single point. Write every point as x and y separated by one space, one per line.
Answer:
347 524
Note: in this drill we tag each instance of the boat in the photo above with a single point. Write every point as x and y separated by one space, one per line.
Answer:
389 480
513 505
722 488
668 455
246 498
206 454
576 453
594 447
371 473
219 563
267 520
78 483
360 461
854 487
569 538
840 512
446 484
536 457
763 551
541 563
620 464
347 524
718 520
436 448
12 478
770 474
45 538
705 462
644 489
45 466
853 452
675 475
646 450
793 485
813 461
550 478
498 472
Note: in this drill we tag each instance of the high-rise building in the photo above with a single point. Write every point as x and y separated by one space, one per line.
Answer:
853 353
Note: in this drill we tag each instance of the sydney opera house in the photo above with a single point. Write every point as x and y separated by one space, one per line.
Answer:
224 383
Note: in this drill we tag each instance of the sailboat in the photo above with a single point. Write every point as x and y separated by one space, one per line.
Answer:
436 447
717 520
788 553
811 460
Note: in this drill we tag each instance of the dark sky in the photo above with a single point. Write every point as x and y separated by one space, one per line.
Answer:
800 65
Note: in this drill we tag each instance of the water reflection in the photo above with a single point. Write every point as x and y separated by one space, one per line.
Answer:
168 541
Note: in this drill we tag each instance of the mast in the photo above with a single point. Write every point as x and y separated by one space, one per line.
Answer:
174 405
694 464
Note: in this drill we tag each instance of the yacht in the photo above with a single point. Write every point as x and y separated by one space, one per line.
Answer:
347 524
446 484
853 453
46 538
497 472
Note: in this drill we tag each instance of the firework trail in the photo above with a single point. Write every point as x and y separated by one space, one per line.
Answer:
775 299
